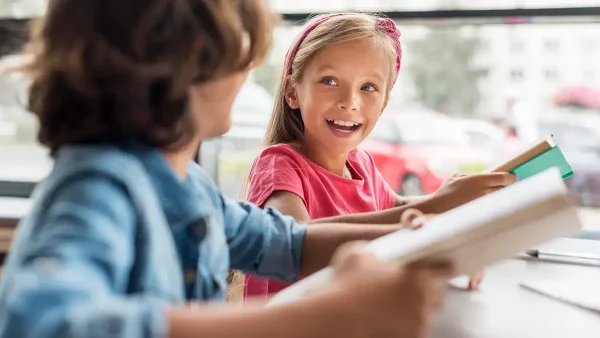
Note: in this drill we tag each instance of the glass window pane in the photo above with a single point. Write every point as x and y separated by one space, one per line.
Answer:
384 131
22 8
508 75
22 159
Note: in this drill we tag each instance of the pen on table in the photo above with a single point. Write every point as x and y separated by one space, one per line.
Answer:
575 258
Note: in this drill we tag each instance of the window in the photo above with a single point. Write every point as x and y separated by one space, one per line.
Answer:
431 131
550 74
484 46
589 44
589 75
22 8
384 131
459 67
252 107
517 75
571 137
228 158
22 159
478 138
551 45
517 46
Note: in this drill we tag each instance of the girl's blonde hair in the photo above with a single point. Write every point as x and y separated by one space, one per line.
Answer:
286 125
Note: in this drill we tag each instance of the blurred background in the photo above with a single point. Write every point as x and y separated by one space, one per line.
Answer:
480 80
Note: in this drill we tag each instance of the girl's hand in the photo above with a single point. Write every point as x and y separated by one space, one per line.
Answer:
414 219
461 189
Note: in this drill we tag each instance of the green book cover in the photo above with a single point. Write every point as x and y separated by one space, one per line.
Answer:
552 157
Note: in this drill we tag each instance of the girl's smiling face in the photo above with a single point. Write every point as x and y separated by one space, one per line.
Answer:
341 94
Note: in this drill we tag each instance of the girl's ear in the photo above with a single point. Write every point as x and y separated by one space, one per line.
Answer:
383 107
291 96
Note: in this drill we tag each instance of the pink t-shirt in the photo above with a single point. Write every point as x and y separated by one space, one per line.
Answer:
324 194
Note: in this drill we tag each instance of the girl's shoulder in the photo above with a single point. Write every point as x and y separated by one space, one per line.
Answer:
360 158
282 150
280 155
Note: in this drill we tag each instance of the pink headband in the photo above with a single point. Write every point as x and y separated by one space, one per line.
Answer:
388 25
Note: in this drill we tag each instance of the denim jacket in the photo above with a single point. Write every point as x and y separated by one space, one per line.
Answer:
114 238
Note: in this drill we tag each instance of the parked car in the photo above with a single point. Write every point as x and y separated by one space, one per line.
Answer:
578 135
416 153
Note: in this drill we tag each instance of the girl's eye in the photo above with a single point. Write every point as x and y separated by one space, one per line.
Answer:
369 88
329 81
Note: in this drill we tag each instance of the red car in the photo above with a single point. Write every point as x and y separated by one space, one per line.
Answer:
416 153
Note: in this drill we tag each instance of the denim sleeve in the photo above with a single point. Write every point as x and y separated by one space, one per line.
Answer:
73 274
263 242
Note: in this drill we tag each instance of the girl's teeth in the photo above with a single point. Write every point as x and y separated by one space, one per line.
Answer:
344 123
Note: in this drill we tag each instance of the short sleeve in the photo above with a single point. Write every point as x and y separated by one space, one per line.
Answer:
385 194
277 168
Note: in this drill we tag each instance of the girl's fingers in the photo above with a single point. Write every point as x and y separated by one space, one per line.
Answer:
412 219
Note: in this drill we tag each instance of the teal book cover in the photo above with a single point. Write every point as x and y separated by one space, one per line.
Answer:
552 157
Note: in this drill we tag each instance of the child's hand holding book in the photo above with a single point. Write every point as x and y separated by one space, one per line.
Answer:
394 301
461 189
414 219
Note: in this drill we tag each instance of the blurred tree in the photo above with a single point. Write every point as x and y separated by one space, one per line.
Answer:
443 71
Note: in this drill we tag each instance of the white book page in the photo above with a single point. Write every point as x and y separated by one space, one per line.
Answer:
476 234
584 293
467 218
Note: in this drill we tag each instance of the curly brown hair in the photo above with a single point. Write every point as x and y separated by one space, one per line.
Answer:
113 69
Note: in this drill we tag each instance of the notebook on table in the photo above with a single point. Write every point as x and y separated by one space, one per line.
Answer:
584 293
532 211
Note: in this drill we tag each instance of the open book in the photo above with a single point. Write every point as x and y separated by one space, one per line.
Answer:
494 227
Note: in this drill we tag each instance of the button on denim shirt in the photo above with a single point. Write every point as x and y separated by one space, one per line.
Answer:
114 238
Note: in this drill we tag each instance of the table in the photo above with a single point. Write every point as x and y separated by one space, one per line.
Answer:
500 309
503 309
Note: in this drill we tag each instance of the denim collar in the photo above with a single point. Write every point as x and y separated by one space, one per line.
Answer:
181 202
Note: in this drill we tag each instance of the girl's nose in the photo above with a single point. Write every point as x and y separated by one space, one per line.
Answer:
349 100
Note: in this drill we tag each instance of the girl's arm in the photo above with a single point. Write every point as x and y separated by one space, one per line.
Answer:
401 201
290 204
455 192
